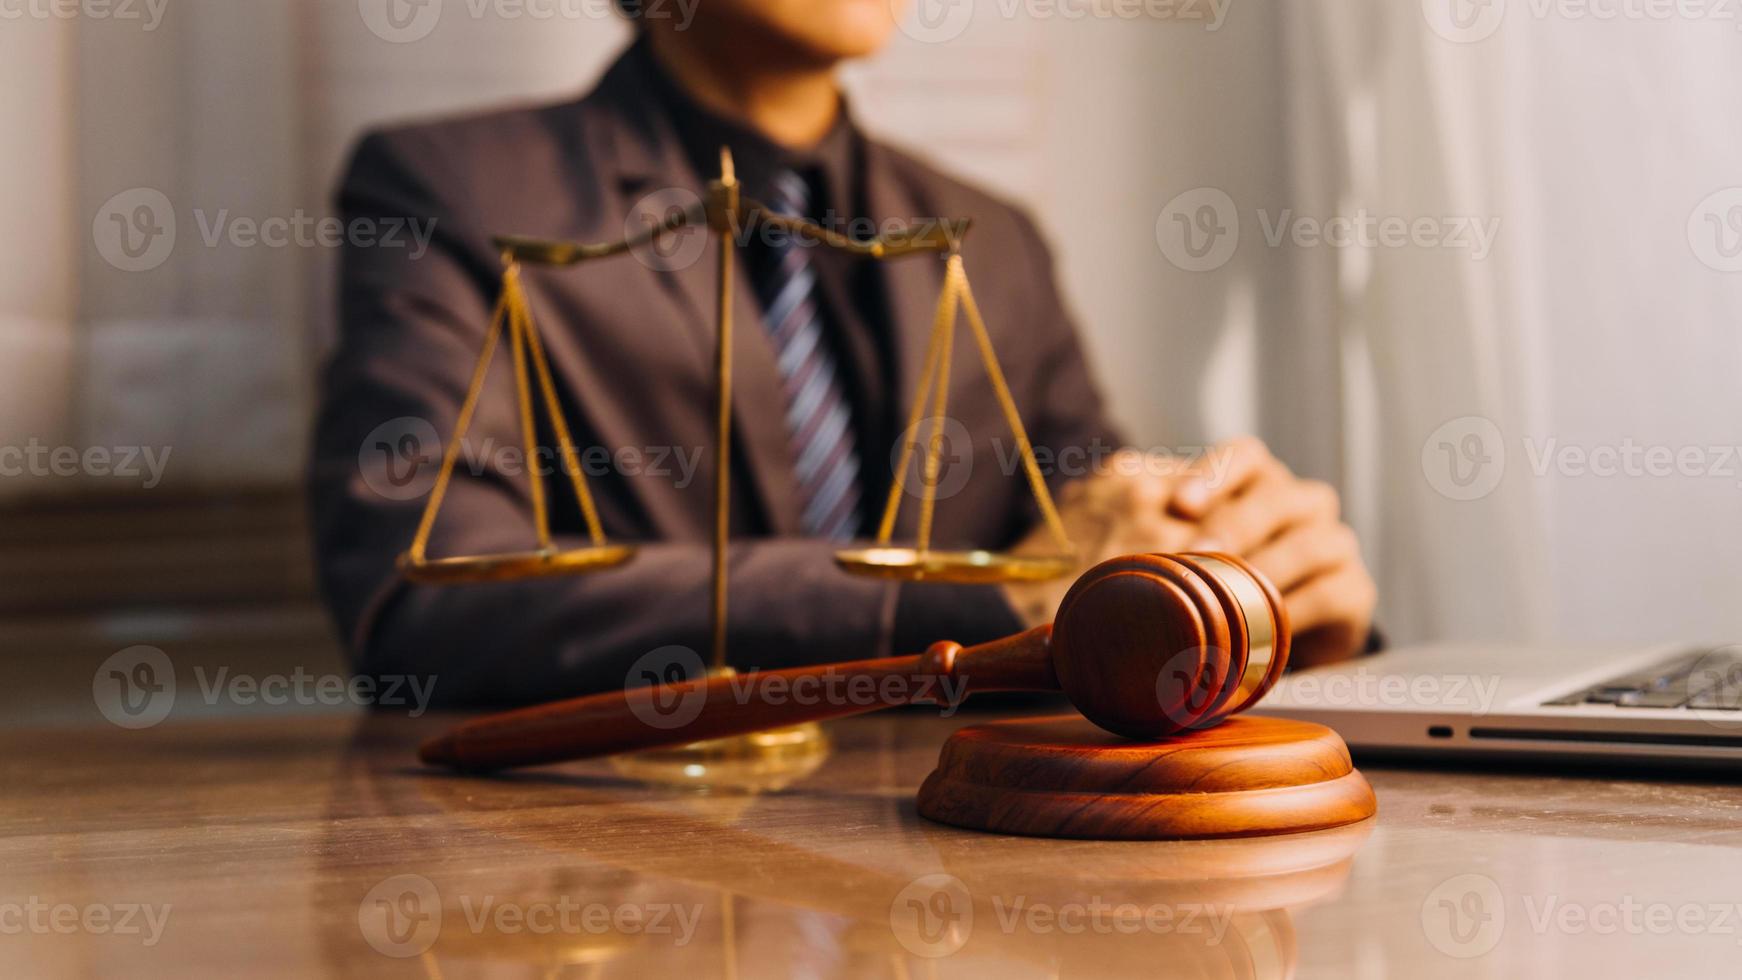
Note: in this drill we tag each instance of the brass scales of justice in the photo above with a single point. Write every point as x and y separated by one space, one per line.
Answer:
724 211
1156 652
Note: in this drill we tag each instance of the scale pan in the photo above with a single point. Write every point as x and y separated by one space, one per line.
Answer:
514 567
967 567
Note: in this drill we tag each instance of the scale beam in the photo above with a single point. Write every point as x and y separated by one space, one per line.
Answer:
733 217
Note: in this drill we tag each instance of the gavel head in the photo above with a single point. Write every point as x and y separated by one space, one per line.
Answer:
1147 646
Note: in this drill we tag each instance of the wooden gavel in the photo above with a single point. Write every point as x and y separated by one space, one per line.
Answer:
1144 646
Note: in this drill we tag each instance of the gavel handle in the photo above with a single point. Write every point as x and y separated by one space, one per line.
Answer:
695 711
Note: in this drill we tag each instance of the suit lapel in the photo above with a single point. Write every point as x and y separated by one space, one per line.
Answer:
641 157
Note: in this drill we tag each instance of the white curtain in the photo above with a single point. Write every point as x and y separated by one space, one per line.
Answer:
1595 354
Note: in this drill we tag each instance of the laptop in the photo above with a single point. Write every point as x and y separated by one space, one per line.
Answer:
1678 705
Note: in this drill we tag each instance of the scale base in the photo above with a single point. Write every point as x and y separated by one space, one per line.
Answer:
755 763
1063 777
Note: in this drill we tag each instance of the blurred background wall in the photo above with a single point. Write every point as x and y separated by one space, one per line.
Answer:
1181 160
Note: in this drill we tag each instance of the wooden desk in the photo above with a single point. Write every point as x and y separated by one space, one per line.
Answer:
279 846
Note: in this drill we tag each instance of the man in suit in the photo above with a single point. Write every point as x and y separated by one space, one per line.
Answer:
828 354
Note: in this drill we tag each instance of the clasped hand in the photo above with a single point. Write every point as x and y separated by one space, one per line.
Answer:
1237 499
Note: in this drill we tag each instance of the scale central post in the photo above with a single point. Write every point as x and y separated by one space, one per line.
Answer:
722 213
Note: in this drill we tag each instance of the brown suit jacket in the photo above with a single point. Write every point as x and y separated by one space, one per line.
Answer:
630 347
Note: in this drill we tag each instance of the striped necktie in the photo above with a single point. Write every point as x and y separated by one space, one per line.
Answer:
819 422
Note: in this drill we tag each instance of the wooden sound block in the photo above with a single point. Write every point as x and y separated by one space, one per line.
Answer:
1063 777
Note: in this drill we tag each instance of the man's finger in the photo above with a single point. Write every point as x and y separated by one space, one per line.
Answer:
1149 533
1125 494
1223 472
1266 510
1306 551
1343 598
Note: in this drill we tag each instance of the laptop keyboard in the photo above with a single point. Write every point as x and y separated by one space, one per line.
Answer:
1708 680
